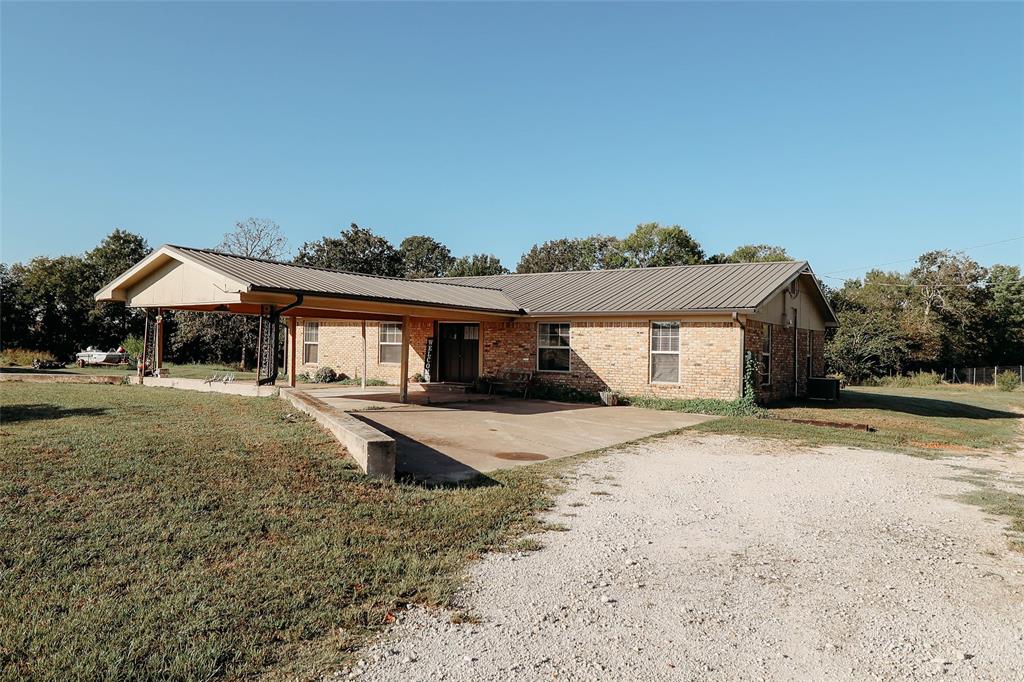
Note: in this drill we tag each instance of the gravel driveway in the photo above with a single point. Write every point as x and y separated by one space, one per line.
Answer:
716 557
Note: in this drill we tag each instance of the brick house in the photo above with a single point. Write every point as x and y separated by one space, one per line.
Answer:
685 355
672 331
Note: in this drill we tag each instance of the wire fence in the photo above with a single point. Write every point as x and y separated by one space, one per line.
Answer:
979 375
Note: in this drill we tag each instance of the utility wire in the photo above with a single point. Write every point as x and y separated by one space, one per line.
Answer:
931 286
906 260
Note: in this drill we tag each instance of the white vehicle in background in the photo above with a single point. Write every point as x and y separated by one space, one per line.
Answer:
94 356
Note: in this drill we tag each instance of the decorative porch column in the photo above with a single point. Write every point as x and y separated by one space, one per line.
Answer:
266 346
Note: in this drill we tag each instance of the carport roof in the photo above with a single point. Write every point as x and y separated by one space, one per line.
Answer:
732 287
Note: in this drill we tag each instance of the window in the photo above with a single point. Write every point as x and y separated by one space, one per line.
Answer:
311 343
765 368
665 352
390 342
553 347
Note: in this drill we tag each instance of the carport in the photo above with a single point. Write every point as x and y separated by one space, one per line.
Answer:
182 278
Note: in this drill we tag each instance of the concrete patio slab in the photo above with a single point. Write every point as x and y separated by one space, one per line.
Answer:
455 441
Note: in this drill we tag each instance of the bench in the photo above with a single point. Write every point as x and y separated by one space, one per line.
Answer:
512 380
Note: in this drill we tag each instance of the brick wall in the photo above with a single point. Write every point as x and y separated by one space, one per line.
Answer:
782 380
604 355
614 355
341 348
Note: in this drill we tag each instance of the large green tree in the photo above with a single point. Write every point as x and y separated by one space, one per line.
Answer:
752 253
113 321
950 290
652 244
477 265
1004 315
47 303
563 255
357 249
424 256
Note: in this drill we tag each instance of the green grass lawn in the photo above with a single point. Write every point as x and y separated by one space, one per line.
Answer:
920 421
184 371
152 533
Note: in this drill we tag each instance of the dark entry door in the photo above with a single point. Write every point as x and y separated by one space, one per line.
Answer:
459 352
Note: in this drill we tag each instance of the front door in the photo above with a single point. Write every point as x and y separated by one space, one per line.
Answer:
459 356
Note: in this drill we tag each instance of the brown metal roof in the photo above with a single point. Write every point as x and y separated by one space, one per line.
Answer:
265 275
685 288
676 289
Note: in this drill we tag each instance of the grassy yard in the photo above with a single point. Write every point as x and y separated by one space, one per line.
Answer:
920 421
185 371
152 533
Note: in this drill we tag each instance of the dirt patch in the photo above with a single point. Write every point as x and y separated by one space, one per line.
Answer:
712 560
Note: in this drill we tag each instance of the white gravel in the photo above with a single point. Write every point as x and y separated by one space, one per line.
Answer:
716 557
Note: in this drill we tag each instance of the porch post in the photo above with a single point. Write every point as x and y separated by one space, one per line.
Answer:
291 351
259 348
159 341
403 379
362 377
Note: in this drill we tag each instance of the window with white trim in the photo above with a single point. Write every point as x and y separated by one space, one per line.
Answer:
664 352
553 347
390 342
765 367
310 343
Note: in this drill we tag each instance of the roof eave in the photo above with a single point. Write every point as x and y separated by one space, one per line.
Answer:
385 299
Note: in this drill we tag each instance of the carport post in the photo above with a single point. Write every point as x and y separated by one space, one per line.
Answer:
291 351
403 377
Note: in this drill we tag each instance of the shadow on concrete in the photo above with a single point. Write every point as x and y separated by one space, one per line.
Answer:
419 463
36 411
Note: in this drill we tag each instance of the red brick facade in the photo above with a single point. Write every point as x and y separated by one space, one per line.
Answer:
787 372
612 354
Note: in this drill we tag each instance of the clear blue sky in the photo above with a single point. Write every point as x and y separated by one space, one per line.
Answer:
852 134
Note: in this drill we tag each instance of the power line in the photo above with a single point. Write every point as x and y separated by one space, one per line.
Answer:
906 260
904 285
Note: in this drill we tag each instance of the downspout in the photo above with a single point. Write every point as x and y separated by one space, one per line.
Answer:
743 351
297 302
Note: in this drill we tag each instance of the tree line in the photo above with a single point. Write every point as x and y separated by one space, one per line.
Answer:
948 310
358 249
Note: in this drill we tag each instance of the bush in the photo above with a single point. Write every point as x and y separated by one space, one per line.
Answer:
917 379
324 375
561 394
725 408
23 357
355 381
133 345
1007 380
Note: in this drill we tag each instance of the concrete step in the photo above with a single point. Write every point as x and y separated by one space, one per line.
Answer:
446 387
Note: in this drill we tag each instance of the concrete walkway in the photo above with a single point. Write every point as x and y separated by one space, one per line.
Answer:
461 435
